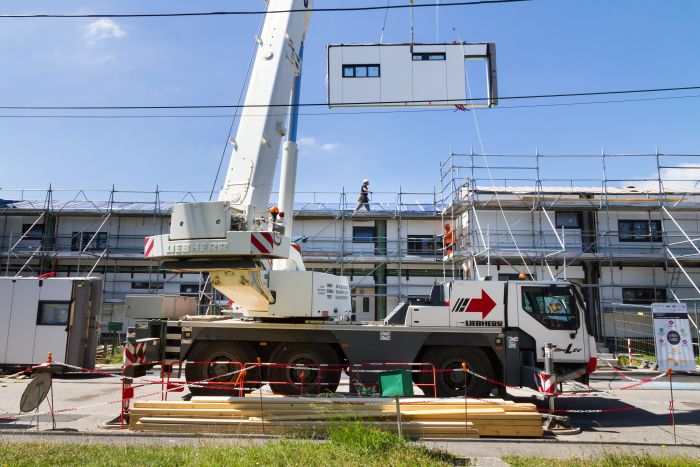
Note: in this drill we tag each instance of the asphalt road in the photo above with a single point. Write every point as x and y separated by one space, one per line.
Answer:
611 418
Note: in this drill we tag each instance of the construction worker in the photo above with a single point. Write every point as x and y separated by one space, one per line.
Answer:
363 199
447 240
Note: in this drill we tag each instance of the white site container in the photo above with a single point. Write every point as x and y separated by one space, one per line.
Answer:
159 306
57 315
401 75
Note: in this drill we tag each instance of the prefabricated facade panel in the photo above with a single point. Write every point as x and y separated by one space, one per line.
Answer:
381 75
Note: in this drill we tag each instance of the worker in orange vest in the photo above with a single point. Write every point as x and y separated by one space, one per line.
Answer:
448 239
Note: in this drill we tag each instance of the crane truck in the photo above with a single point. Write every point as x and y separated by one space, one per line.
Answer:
293 316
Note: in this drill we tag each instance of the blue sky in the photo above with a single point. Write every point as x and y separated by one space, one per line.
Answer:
544 46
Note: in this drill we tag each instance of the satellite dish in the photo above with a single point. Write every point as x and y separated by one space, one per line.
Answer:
35 392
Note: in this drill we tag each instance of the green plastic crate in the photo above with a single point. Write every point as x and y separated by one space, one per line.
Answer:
396 383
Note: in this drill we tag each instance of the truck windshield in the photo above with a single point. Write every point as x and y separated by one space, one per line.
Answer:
553 306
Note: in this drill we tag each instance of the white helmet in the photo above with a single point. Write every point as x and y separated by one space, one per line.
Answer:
365 182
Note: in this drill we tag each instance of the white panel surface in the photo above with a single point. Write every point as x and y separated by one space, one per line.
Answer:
20 344
6 287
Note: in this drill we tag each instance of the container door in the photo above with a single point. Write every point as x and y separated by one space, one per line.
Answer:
53 319
363 304
6 288
20 342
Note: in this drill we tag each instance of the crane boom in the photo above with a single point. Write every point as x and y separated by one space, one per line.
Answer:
262 126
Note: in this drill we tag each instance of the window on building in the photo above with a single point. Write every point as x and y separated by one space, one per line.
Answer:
643 296
364 234
33 233
189 289
144 285
553 306
639 231
361 71
53 313
567 220
429 56
80 240
422 245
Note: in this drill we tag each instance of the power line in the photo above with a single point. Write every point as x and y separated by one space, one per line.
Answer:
259 12
341 114
346 104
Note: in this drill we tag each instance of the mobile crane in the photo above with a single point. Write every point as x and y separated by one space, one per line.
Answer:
294 316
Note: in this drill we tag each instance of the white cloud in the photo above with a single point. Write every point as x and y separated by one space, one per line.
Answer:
329 147
311 143
102 29
682 178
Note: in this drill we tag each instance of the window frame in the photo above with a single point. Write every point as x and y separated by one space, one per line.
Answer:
40 308
425 56
431 241
356 239
650 236
546 319
79 240
150 285
559 225
658 294
33 233
366 66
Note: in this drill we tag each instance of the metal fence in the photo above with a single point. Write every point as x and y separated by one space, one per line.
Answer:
629 329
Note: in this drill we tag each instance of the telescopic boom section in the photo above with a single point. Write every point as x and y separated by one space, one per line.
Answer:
235 238
252 167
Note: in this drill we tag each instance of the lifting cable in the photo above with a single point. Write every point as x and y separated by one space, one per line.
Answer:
488 167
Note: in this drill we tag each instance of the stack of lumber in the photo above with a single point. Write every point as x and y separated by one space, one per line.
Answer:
271 415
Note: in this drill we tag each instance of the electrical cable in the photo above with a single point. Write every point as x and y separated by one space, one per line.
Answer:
345 104
253 12
342 114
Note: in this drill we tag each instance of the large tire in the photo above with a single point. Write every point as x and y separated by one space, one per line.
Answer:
218 352
454 383
292 382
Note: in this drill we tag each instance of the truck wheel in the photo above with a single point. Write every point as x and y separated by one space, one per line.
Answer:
454 383
295 382
218 354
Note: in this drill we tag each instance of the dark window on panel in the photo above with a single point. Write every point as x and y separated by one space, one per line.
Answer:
422 244
189 289
53 313
643 296
33 233
567 220
428 56
80 240
639 231
363 234
361 71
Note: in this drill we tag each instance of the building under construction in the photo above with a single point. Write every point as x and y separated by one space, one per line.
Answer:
629 242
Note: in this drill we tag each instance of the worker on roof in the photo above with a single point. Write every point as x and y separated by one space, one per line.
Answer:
363 199
448 240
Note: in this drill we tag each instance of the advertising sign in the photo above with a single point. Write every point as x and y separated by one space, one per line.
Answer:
674 344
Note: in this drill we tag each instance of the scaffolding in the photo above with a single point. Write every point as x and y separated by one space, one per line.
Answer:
518 210
102 244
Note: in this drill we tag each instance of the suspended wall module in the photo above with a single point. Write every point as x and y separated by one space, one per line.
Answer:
410 75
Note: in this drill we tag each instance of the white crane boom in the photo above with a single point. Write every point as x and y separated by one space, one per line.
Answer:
251 171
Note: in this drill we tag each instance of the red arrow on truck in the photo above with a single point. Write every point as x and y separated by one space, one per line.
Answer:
482 305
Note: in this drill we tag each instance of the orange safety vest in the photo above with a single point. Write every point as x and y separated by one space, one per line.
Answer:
448 238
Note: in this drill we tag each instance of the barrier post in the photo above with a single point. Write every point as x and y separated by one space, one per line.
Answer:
670 404
629 352
551 390
465 369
